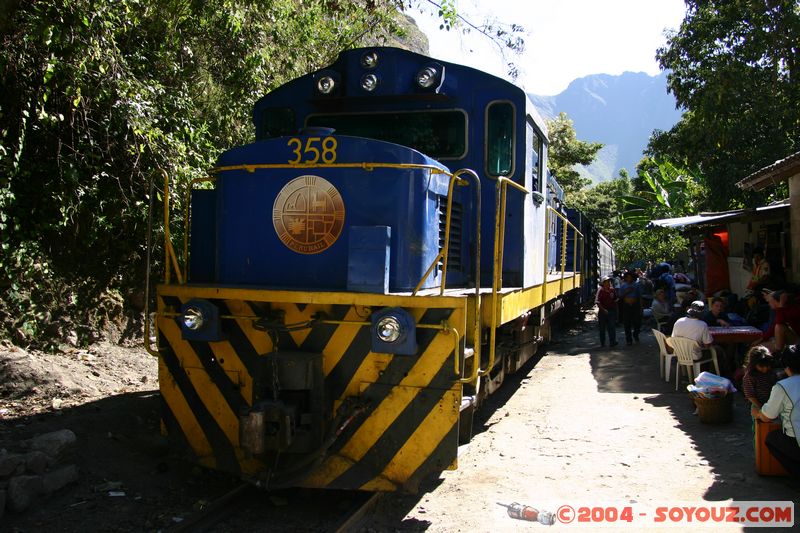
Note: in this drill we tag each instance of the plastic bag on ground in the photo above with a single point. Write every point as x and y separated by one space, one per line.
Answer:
707 379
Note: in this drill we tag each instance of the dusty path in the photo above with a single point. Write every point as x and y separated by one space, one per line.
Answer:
589 426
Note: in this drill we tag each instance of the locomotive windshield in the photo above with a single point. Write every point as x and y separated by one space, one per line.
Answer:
440 134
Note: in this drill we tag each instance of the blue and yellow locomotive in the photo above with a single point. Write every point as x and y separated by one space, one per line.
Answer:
360 278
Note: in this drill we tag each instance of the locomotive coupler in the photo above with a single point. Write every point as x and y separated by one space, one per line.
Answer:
268 426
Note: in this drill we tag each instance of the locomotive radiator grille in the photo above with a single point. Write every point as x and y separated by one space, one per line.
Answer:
456 218
409 430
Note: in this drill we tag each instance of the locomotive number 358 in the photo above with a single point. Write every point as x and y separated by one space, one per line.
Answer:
315 149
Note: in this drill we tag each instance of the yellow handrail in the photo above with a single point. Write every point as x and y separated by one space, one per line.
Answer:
567 226
497 279
443 253
170 258
363 166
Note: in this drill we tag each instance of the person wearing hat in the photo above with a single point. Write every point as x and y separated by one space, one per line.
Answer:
784 402
630 292
606 300
692 326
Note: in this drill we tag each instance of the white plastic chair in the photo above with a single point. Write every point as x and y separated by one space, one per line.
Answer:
664 357
684 351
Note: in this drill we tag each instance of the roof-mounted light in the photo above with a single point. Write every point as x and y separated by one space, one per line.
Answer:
426 77
369 59
326 85
430 77
369 82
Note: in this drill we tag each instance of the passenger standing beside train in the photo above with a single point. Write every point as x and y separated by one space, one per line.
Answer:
606 300
630 292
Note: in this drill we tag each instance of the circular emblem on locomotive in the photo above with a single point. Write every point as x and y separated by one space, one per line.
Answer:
308 214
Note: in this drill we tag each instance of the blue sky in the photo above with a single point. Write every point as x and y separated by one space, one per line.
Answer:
564 40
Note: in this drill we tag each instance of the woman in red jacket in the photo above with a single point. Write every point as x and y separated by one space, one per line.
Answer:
606 300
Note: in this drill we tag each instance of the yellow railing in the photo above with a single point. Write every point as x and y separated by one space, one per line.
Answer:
171 259
577 236
497 280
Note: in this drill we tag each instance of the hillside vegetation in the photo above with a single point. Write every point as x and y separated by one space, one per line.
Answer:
99 95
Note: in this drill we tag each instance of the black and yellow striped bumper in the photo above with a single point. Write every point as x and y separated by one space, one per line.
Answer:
405 425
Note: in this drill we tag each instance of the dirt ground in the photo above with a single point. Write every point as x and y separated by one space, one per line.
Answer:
579 426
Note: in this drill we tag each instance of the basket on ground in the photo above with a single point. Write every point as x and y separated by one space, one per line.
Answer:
714 410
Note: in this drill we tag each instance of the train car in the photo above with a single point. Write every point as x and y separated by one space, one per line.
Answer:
595 255
356 281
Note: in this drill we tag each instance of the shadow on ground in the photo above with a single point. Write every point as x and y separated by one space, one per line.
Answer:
728 447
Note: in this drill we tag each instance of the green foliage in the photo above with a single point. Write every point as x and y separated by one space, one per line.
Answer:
662 190
668 191
566 151
734 68
96 95
653 244
602 204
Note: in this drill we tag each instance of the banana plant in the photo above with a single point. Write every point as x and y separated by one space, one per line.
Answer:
671 191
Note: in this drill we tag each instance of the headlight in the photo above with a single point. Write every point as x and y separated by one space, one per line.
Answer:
369 60
430 77
388 329
369 82
393 331
426 77
193 318
326 85
199 320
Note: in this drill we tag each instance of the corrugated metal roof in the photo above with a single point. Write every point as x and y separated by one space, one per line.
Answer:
715 218
775 173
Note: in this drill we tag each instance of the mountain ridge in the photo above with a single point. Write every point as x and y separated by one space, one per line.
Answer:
620 111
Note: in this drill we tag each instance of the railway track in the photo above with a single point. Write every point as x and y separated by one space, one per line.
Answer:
246 508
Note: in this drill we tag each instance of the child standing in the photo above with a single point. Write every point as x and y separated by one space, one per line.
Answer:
759 377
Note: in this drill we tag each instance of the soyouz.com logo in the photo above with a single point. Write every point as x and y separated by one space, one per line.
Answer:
766 514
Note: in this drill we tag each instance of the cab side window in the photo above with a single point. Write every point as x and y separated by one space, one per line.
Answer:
536 159
500 139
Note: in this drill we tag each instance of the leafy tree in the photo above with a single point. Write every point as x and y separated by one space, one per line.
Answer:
653 244
662 190
98 94
734 68
669 191
602 204
566 151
